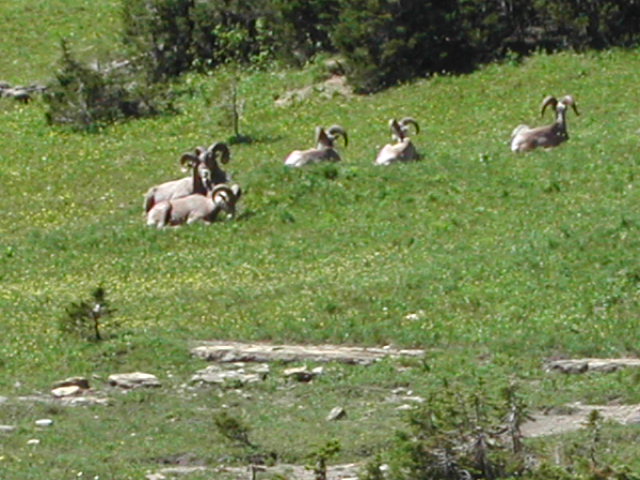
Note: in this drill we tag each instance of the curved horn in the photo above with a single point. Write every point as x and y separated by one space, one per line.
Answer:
338 130
568 100
222 188
410 121
550 100
223 149
188 158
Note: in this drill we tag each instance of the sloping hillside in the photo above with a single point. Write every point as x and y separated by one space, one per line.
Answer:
491 261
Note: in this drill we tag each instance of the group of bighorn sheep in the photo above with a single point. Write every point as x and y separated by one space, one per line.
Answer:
199 197
401 148
208 191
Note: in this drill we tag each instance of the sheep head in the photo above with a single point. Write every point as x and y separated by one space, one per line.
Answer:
196 163
209 157
400 130
552 101
226 197
334 132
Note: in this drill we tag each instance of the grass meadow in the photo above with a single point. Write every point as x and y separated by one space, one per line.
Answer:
505 260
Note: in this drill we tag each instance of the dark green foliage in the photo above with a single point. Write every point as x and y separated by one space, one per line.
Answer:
85 97
384 42
233 429
231 31
589 24
459 435
158 34
304 28
173 36
84 318
321 457
387 41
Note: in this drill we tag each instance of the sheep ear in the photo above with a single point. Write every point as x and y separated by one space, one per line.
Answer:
322 137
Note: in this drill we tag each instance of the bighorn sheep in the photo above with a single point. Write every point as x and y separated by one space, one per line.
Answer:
196 207
525 138
324 151
206 174
403 150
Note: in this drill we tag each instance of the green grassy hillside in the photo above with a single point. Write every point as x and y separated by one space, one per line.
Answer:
497 249
506 259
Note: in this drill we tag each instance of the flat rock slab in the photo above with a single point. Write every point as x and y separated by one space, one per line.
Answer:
236 373
292 472
575 416
583 365
258 352
133 380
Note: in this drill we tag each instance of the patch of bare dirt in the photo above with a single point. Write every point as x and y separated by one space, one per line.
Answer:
574 416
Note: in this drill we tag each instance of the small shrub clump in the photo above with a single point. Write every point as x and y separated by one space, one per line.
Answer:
86 98
85 318
458 435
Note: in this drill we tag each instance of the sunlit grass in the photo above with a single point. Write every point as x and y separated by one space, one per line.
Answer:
489 260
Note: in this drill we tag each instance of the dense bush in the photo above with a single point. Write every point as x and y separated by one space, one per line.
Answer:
589 24
158 34
386 42
383 41
85 97
303 27
173 36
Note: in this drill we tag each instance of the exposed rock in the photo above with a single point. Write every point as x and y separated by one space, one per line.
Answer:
19 92
591 365
172 472
67 401
84 400
335 85
68 391
403 395
415 316
44 422
335 66
294 472
336 413
133 380
33 441
235 373
7 428
247 352
302 374
405 407
574 417
80 382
